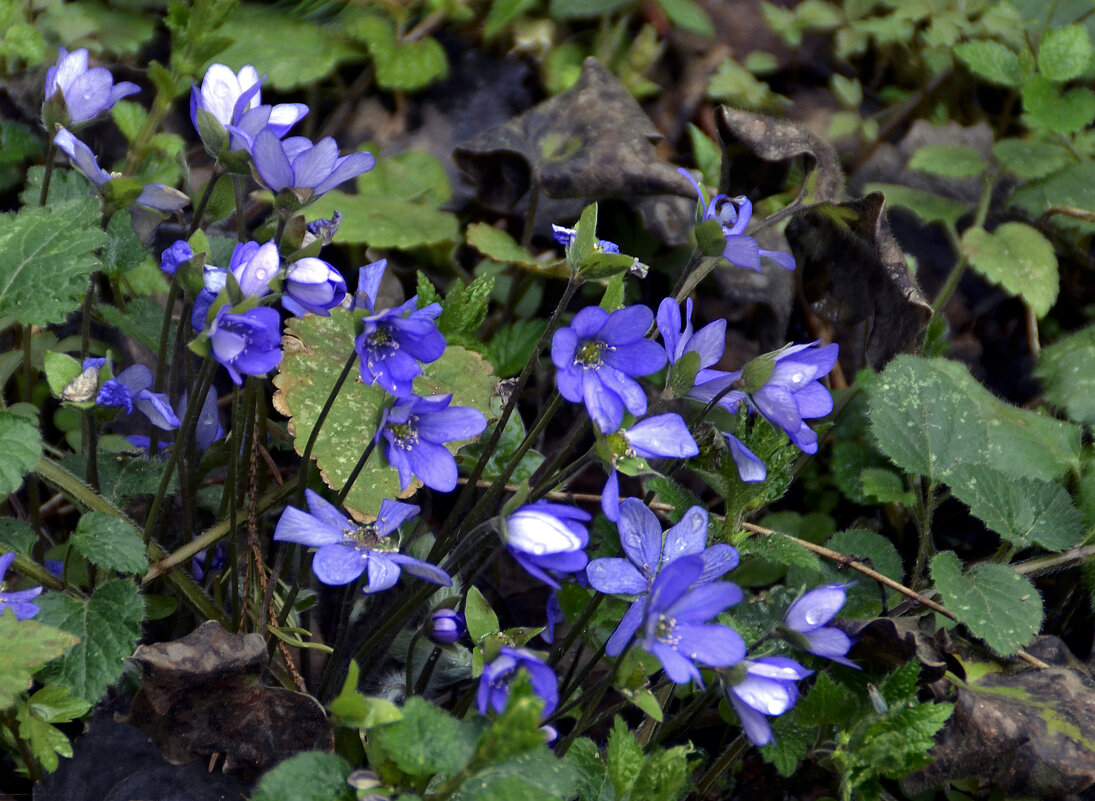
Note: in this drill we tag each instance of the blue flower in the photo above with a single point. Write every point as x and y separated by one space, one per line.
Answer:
18 601
213 281
565 237
77 94
312 285
597 356
446 626
254 267
787 396
751 468
207 429
709 342
348 549
765 687
248 343
808 616
647 556
235 101
416 428
130 388
663 436
547 537
733 215
173 256
394 341
675 616
498 675
306 168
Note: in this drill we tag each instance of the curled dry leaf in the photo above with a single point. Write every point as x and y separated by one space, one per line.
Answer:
201 695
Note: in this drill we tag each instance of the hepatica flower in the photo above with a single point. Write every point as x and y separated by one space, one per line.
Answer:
807 618
131 389
565 237
709 342
663 436
18 601
494 684
762 688
299 165
254 266
675 616
347 549
76 93
733 215
312 285
547 537
596 357
174 255
416 429
648 555
394 343
235 101
248 343
446 626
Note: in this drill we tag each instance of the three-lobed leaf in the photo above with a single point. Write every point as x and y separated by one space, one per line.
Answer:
110 542
1018 258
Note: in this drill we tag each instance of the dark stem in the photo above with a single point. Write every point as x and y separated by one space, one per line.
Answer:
306 457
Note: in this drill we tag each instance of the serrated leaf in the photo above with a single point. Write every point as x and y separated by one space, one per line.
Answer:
994 602
992 61
481 619
922 420
309 776
122 250
426 740
593 785
625 758
790 744
26 645
899 743
46 741
17 142
496 244
56 241
108 626
826 704
1064 369
315 349
1024 511
779 550
400 64
664 774
1065 53
928 206
668 491
512 346
1018 258
1061 113
141 320
20 450
536 776
949 161
110 542
851 458
464 307
1030 159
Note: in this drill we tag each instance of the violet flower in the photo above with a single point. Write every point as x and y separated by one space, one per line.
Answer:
254 267
347 549
248 343
675 616
766 688
663 436
446 626
807 618
547 538
733 215
648 555
312 285
709 342
415 430
174 255
307 169
18 601
235 101
131 388
76 94
596 357
751 468
498 675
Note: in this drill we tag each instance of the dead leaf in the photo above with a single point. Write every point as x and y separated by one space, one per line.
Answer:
201 695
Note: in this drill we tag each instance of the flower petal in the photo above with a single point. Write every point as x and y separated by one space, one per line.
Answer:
339 563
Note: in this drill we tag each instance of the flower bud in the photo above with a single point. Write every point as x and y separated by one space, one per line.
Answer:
446 626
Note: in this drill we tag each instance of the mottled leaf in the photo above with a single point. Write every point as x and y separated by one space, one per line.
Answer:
1018 258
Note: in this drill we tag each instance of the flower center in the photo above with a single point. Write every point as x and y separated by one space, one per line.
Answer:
590 354
366 538
666 631
405 434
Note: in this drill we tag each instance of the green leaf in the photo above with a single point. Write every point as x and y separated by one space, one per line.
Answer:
583 9
141 320
1072 186
108 626
122 250
315 351
948 161
1024 511
1030 159
876 551
406 65
1018 258
826 704
535 776
110 542
928 206
426 740
991 61
289 50
62 370
851 458
997 604
1065 53
20 450
664 774
593 785
16 535
56 241
46 741
64 185
496 244
668 491
512 346
512 437
922 420
688 15
481 619
26 645
308 776
682 374
130 118
360 711
885 486
17 142
1067 113
517 730
625 758
502 13
1064 369
464 308
896 744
